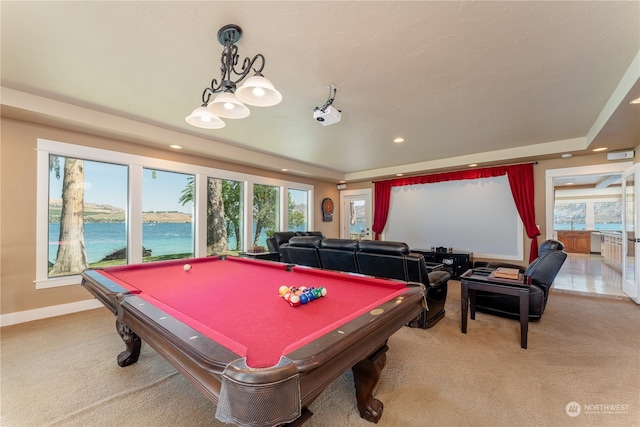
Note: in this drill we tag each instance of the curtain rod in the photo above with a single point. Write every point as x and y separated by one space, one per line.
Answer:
458 170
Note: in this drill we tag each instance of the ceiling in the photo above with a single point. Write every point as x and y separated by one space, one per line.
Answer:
462 82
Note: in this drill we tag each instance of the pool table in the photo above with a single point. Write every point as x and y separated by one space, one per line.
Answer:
223 324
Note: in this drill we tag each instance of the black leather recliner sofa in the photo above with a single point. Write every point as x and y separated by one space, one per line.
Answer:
391 260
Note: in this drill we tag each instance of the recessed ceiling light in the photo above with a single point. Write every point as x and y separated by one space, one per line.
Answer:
473 165
600 149
398 140
399 174
176 146
567 155
284 170
569 183
635 101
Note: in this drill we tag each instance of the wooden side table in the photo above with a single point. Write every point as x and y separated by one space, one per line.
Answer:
472 281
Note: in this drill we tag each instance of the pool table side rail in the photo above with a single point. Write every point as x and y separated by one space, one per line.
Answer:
365 335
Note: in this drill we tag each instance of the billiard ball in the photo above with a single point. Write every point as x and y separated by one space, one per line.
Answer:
187 267
283 290
294 301
304 298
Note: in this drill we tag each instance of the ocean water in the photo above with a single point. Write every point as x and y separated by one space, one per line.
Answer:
163 238
102 239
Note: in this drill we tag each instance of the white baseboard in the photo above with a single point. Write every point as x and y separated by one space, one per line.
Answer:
46 312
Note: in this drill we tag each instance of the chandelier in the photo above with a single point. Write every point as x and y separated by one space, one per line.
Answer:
230 100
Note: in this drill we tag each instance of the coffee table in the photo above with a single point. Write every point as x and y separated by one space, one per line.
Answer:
481 280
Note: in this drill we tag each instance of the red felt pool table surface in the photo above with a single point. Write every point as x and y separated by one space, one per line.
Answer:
235 301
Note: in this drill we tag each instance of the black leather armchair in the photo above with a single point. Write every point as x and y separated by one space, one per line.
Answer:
546 246
540 273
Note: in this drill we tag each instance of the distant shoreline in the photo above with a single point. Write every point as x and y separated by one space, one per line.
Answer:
103 213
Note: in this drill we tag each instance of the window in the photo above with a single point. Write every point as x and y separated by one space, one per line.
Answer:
224 215
592 213
297 210
608 215
167 215
570 216
137 209
87 206
266 213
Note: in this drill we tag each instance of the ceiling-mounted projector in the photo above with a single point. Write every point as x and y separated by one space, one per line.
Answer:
327 117
327 114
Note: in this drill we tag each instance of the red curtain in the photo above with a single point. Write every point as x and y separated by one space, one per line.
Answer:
382 195
521 183
520 180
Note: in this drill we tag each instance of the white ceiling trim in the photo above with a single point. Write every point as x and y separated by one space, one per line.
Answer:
629 78
510 155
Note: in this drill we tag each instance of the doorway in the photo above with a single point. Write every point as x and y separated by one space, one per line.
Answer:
588 272
355 214
630 240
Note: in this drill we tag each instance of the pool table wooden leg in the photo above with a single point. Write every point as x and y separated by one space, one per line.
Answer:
131 341
366 374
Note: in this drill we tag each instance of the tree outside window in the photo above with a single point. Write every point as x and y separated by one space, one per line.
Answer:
298 208
87 202
266 211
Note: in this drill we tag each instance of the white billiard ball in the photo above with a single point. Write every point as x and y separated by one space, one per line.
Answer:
187 267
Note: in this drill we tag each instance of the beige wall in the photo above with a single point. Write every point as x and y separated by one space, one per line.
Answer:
18 204
18 208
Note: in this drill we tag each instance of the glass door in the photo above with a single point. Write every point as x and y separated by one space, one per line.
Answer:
631 239
355 214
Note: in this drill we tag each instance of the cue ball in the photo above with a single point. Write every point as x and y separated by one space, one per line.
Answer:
187 267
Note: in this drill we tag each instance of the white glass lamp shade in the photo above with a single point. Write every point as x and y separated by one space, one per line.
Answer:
228 106
203 118
259 91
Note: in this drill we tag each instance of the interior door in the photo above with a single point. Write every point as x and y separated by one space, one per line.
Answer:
631 239
355 214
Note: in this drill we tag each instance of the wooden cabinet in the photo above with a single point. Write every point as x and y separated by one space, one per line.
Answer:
575 241
612 249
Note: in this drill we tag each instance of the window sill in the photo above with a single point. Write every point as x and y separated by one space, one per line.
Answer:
57 282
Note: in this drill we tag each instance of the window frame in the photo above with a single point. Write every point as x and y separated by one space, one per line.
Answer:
133 222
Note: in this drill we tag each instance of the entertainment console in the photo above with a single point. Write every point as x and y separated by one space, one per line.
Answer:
456 263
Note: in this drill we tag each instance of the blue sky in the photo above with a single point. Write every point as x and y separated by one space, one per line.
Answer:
107 184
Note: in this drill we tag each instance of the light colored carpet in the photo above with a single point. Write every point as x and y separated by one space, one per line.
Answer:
63 372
